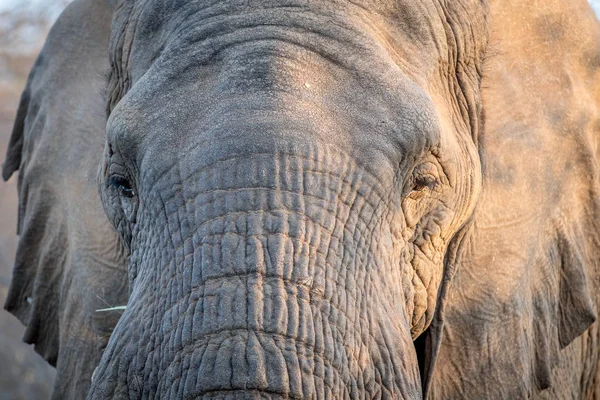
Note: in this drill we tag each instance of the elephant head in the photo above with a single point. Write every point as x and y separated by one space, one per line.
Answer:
286 238
293 185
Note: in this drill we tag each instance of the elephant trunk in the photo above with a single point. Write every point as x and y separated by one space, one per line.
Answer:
272 283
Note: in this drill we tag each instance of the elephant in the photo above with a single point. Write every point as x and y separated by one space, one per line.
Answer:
322 199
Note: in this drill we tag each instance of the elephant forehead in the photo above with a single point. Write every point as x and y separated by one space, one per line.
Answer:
416 34
420 21
269 92
356 75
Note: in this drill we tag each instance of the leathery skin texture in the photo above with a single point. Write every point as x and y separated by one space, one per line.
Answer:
268 283
286 241
287 271
312 199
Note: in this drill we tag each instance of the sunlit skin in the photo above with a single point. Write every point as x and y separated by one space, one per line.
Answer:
312 200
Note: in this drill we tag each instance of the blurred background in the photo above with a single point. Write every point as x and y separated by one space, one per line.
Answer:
596 6
23 27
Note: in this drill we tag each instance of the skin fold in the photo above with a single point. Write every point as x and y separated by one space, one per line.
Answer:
330 199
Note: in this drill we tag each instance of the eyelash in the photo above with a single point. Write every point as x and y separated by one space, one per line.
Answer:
423 183
122 185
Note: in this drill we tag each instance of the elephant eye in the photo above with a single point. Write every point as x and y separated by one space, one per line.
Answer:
122 185
420 187
423 183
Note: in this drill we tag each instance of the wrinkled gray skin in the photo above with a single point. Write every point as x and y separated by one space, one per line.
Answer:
286 239
296 185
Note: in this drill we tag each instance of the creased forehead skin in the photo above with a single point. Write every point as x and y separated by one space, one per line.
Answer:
424 38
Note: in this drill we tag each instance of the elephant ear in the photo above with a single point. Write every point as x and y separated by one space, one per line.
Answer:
69 261
526 288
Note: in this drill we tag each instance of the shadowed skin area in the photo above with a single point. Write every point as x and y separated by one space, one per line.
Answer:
286 239
69 261
308 198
